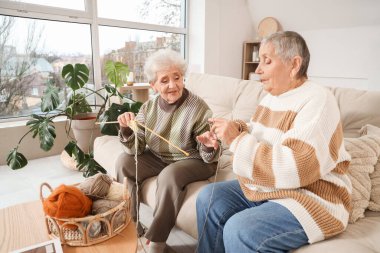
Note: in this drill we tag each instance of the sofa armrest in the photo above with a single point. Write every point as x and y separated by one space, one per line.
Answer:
106 151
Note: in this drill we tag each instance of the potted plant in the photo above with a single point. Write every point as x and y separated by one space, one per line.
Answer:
77 109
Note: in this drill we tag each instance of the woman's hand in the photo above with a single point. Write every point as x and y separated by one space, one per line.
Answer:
208 139
224 129
125 118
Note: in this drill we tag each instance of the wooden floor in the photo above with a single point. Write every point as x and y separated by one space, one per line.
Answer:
23 185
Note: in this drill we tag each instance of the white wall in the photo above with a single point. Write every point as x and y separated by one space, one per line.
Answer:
343 36
345 57
217 29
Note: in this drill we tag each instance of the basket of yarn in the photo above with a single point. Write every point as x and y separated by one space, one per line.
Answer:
87 213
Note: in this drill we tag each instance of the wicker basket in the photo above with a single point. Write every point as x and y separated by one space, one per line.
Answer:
111 222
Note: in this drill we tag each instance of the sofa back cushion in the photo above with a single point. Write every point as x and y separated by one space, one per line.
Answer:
227 97
233 98
357 108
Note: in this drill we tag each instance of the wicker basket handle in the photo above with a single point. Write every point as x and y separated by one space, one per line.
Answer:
41 189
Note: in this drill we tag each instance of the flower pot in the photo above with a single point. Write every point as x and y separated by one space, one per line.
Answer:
85 131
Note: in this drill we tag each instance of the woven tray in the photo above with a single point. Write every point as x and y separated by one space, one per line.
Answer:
112 222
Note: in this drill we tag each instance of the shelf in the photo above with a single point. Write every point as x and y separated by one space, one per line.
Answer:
249 66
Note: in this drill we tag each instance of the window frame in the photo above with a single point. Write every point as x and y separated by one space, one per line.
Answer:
89 16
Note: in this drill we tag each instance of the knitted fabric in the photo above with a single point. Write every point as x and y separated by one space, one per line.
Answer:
374 203
67 202
364 152
295 156
96 186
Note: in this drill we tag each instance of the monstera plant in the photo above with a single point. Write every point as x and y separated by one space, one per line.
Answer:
42 125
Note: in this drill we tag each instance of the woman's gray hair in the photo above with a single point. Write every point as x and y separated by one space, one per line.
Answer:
289 44
162 60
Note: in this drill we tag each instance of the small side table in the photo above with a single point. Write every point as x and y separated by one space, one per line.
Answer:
140 91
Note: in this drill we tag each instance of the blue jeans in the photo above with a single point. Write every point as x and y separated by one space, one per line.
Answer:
235 224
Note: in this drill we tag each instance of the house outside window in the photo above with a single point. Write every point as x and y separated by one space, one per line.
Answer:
39 37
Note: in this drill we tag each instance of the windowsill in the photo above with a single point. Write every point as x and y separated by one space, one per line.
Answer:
22 122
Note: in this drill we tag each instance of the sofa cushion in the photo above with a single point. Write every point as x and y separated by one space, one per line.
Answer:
363 236
357 108
249 94
364 152
227 97
187 217
213 89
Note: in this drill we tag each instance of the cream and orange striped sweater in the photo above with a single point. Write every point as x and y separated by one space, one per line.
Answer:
294 155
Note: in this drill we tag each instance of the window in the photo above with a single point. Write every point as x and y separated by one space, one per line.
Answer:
147 11
68 4
39 37
32 54
132 47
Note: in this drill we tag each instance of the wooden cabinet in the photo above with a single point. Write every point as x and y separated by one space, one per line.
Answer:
249 64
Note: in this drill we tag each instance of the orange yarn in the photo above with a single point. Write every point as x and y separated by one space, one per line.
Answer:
67 202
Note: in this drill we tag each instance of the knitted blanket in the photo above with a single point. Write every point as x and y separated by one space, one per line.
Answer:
364 152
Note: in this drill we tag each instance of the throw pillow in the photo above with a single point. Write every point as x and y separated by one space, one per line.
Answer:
374 203
364 152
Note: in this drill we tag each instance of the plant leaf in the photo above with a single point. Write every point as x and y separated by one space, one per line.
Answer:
34 123
45 129
77 104
16 160
50 99
73 150
111 89
75 76
135 107
46 132
90 167
111 114
69 148
85 162
116 72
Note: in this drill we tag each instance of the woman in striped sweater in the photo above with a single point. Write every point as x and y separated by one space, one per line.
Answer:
179 116
290 162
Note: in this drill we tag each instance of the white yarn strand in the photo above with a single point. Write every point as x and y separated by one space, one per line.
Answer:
137 188
210 201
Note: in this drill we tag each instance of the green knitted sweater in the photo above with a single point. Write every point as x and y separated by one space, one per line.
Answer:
179 123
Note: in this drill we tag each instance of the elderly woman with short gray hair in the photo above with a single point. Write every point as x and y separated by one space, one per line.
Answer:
292 186
179 116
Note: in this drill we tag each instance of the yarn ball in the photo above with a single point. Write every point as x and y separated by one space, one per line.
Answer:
96 186
67 202
103 205
115 192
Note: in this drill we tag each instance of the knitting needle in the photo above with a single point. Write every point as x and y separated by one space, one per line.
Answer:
108 122
153 132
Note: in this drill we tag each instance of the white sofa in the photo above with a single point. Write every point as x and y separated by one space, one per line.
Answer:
237 99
